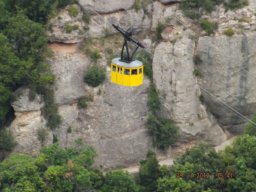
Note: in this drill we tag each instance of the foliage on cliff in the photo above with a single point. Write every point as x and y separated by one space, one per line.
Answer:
199 169
163 131
57 169
23 48
196 8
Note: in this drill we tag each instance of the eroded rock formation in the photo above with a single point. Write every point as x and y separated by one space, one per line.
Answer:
113 121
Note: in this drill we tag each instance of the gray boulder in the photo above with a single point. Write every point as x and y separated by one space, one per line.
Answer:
113 123
101 25
24 104
69 67
228 70
65 28
179 92
25 129
105 6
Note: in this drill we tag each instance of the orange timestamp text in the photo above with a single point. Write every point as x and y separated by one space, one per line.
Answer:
205 175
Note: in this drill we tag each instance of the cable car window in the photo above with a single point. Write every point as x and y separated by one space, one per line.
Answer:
134 71
140 70
114 68
127 71
120 70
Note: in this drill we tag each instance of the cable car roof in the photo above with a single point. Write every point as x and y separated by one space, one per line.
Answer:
133 64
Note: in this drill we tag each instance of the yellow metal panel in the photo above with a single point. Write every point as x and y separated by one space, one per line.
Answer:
119 77
113 73
127 76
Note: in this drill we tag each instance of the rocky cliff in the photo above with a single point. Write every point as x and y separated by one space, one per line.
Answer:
114 119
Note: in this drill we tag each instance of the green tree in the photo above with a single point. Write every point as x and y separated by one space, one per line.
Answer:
163 131
38 11
12 70
4 15
19 173
27 37
7 142
169 184
149 172
5 96
119 181
250 128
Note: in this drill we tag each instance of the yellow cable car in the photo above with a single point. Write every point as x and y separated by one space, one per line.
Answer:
127 74
124 70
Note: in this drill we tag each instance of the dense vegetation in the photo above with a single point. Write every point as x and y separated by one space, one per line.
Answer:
23 49
59 170
70 170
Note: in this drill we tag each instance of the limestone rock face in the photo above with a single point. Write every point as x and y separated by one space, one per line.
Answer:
66 28
101 25
162 13
240 20
113 123
68 66
105 6
173 75
24 104
228 69
25 130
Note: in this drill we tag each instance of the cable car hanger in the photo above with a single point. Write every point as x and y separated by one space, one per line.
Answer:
125 70
128 37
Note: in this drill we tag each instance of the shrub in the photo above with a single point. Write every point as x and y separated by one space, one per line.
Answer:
146 59
75 27
250 128
236 4
137 5
7 142
50 110
208 26
72 11
229 32
95 75
53 118
159 30
197 59
69 130
93 54
153 99
197 73
86 17
68 28
42 134
109 53
82 102
163 131
201 98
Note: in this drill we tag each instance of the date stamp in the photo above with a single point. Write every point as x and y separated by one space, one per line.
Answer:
205 175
